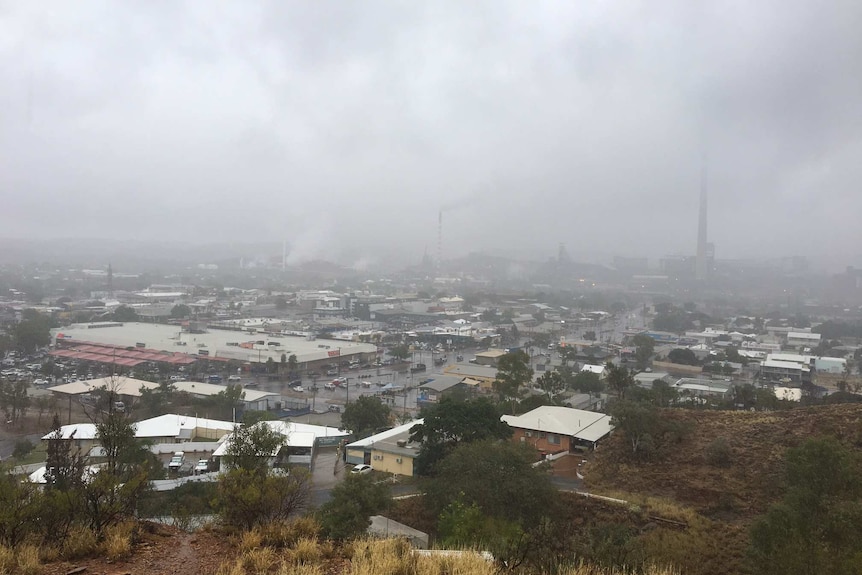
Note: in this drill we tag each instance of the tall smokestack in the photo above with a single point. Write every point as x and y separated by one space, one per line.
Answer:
440 239
701 269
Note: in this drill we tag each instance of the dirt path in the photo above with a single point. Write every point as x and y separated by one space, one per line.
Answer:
166 553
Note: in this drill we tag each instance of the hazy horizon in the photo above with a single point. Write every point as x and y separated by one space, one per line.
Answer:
344 129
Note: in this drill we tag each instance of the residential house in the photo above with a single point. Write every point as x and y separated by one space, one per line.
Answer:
553 429
390 451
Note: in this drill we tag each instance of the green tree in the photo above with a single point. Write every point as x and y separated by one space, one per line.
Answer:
619 379
366 416
252 447
641 424
521 493
32 332
644 349
587 382
292 364
590 335
551 382
400 352
246 498
683 356
513 372
354 501
451 422
14 399
817 525
181 311
125 313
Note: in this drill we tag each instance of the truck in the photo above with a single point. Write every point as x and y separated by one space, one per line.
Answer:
417 368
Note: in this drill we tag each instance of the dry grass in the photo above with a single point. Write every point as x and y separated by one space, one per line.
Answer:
250 540
7 560
118 541
306 569
21 561
306 551
657 506
27 560
259 560
80 542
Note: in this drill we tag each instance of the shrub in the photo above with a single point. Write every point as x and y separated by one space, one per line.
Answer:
306 551
22 449
7 560
80 542
117 546
719 452
259 560
250 540
281 534
27 560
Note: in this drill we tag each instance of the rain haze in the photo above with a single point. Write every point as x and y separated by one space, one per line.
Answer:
345 129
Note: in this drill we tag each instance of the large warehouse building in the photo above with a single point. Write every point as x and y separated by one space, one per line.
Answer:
156 341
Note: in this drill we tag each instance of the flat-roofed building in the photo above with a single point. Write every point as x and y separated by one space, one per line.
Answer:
390 451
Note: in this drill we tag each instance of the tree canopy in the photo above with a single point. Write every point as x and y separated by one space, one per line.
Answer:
817 526
451 422
366 416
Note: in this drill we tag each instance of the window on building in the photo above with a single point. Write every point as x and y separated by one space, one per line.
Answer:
528 434
553 439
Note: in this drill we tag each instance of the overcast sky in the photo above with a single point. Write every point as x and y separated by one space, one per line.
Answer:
344 127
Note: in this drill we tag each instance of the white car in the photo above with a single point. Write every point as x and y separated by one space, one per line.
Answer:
177 461
361 469
202 466
330 386
234 378
297 388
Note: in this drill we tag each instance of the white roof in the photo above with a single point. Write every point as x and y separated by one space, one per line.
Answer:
384 435
597 369
210 389
81 431
38 476
784 364
121 385
803 335
172 425
168 425
794 357
296 434
561 420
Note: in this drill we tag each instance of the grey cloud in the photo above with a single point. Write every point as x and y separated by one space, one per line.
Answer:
346 127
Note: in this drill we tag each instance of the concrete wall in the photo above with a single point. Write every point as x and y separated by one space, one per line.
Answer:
389 463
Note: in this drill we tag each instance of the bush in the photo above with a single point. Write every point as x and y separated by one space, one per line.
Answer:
306 551
259 560
22 449
281 534
7 560
27 560
80 542
719 453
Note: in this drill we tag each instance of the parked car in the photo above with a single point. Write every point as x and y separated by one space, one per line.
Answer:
177 461
362 468
234 378
329 385
297 388
332 371
202 466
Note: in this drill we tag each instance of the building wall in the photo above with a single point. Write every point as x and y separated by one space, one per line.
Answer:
355 456
541 440
389 463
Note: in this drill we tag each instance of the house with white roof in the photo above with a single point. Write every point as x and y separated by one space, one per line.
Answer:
554 429
390 451
168 429
300 441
